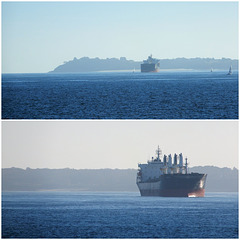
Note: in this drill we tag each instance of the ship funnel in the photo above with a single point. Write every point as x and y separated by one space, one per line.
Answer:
186 165
180 163
169 164
165 160
175 159
169 160
180 160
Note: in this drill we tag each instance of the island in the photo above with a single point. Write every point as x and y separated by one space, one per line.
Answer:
86 64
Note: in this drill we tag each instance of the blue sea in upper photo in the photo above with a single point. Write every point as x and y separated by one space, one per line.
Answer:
121 95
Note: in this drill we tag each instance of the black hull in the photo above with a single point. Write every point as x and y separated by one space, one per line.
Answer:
149 68
175 185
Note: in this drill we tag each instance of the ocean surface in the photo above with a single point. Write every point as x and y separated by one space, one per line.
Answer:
122 95
117 215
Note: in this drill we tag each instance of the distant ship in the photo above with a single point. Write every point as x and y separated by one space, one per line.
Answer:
166 179
230 71
150 65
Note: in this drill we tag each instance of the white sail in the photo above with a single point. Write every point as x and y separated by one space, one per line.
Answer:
230 70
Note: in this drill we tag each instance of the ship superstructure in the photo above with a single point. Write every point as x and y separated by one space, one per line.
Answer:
169 177
150 65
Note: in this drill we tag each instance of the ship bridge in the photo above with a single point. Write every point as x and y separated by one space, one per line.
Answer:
156 167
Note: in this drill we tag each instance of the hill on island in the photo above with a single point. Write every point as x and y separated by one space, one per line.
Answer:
86 64
17 179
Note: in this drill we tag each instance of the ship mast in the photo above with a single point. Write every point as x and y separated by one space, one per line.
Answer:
159 153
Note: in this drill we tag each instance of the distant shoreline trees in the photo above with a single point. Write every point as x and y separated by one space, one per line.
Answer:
17 179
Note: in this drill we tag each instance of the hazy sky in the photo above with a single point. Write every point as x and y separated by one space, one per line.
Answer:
39 36
116 144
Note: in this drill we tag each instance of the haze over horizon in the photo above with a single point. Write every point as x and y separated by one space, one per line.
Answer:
39 36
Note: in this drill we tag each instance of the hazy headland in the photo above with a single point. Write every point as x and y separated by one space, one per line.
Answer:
86 64
17 179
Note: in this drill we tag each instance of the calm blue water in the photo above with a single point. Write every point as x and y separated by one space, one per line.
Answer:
117 215
165 95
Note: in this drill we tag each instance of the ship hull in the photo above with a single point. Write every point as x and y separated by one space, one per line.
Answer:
149 68
175 185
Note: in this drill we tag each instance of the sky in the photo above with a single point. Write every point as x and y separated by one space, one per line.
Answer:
39 36
116 144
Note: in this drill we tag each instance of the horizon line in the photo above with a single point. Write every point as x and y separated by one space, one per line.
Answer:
68 168
158 58
125 70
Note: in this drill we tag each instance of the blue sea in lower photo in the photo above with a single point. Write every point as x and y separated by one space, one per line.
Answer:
121 95
117 215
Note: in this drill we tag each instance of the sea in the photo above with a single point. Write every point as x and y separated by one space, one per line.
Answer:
121 95
117 215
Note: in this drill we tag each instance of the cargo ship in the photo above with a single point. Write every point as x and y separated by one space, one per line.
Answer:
167 177
150 65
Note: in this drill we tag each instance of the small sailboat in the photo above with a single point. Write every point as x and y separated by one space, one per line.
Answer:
134 70
230 71
211 69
